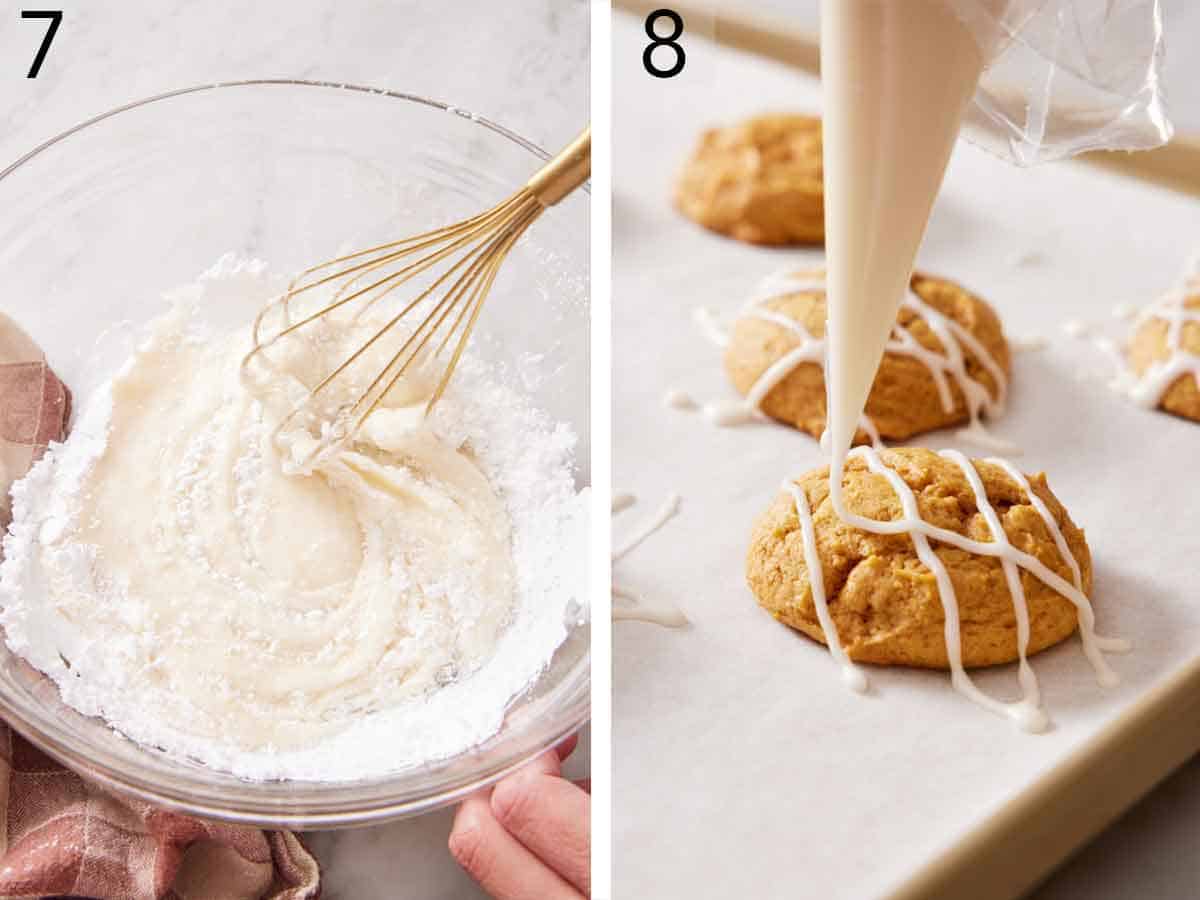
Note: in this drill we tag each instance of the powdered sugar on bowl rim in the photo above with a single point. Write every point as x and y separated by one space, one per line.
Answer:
528 459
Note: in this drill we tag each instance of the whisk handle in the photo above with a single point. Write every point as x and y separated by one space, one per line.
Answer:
565 172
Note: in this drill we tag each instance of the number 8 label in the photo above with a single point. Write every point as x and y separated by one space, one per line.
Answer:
676 21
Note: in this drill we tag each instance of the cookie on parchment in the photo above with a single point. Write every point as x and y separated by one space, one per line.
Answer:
922 383
882 598
1167 340
760 181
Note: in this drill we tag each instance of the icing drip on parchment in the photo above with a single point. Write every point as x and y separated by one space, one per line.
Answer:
946 368
634 609
1026 712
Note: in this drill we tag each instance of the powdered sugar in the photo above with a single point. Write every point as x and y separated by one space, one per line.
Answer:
527 461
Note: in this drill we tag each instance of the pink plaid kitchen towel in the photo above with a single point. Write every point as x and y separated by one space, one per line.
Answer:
61 835
34 408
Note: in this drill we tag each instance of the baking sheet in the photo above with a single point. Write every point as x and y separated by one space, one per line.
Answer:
742 766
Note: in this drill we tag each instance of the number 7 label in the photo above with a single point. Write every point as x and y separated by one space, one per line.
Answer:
55 17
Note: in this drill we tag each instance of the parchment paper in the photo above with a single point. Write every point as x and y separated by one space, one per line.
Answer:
743 767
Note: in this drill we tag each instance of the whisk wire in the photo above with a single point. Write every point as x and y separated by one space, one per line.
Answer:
476 307
415 242
481 244
485 222
395 279
496 235
477 280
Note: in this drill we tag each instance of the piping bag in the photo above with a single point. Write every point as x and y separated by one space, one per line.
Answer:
1037 79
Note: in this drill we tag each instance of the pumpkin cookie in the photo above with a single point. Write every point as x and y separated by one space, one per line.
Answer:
946 363
759 181
1165 354
883 600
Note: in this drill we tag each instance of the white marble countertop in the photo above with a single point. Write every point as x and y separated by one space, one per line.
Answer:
527 69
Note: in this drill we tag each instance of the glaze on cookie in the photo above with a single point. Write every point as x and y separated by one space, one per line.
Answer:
882 599
759 181
1164 355
947 361
944 562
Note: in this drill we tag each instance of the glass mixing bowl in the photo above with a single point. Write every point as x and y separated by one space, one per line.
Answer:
97 222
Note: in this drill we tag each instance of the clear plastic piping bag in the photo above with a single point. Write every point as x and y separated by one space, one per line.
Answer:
1066 76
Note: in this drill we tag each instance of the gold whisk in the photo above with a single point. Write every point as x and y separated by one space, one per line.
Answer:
472 253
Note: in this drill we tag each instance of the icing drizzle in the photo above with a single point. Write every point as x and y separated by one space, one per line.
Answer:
1026 712
1149 388
668 616
946 368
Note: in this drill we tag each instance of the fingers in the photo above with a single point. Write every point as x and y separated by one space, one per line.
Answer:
551 817
497 860
567 747
549 763
532 839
